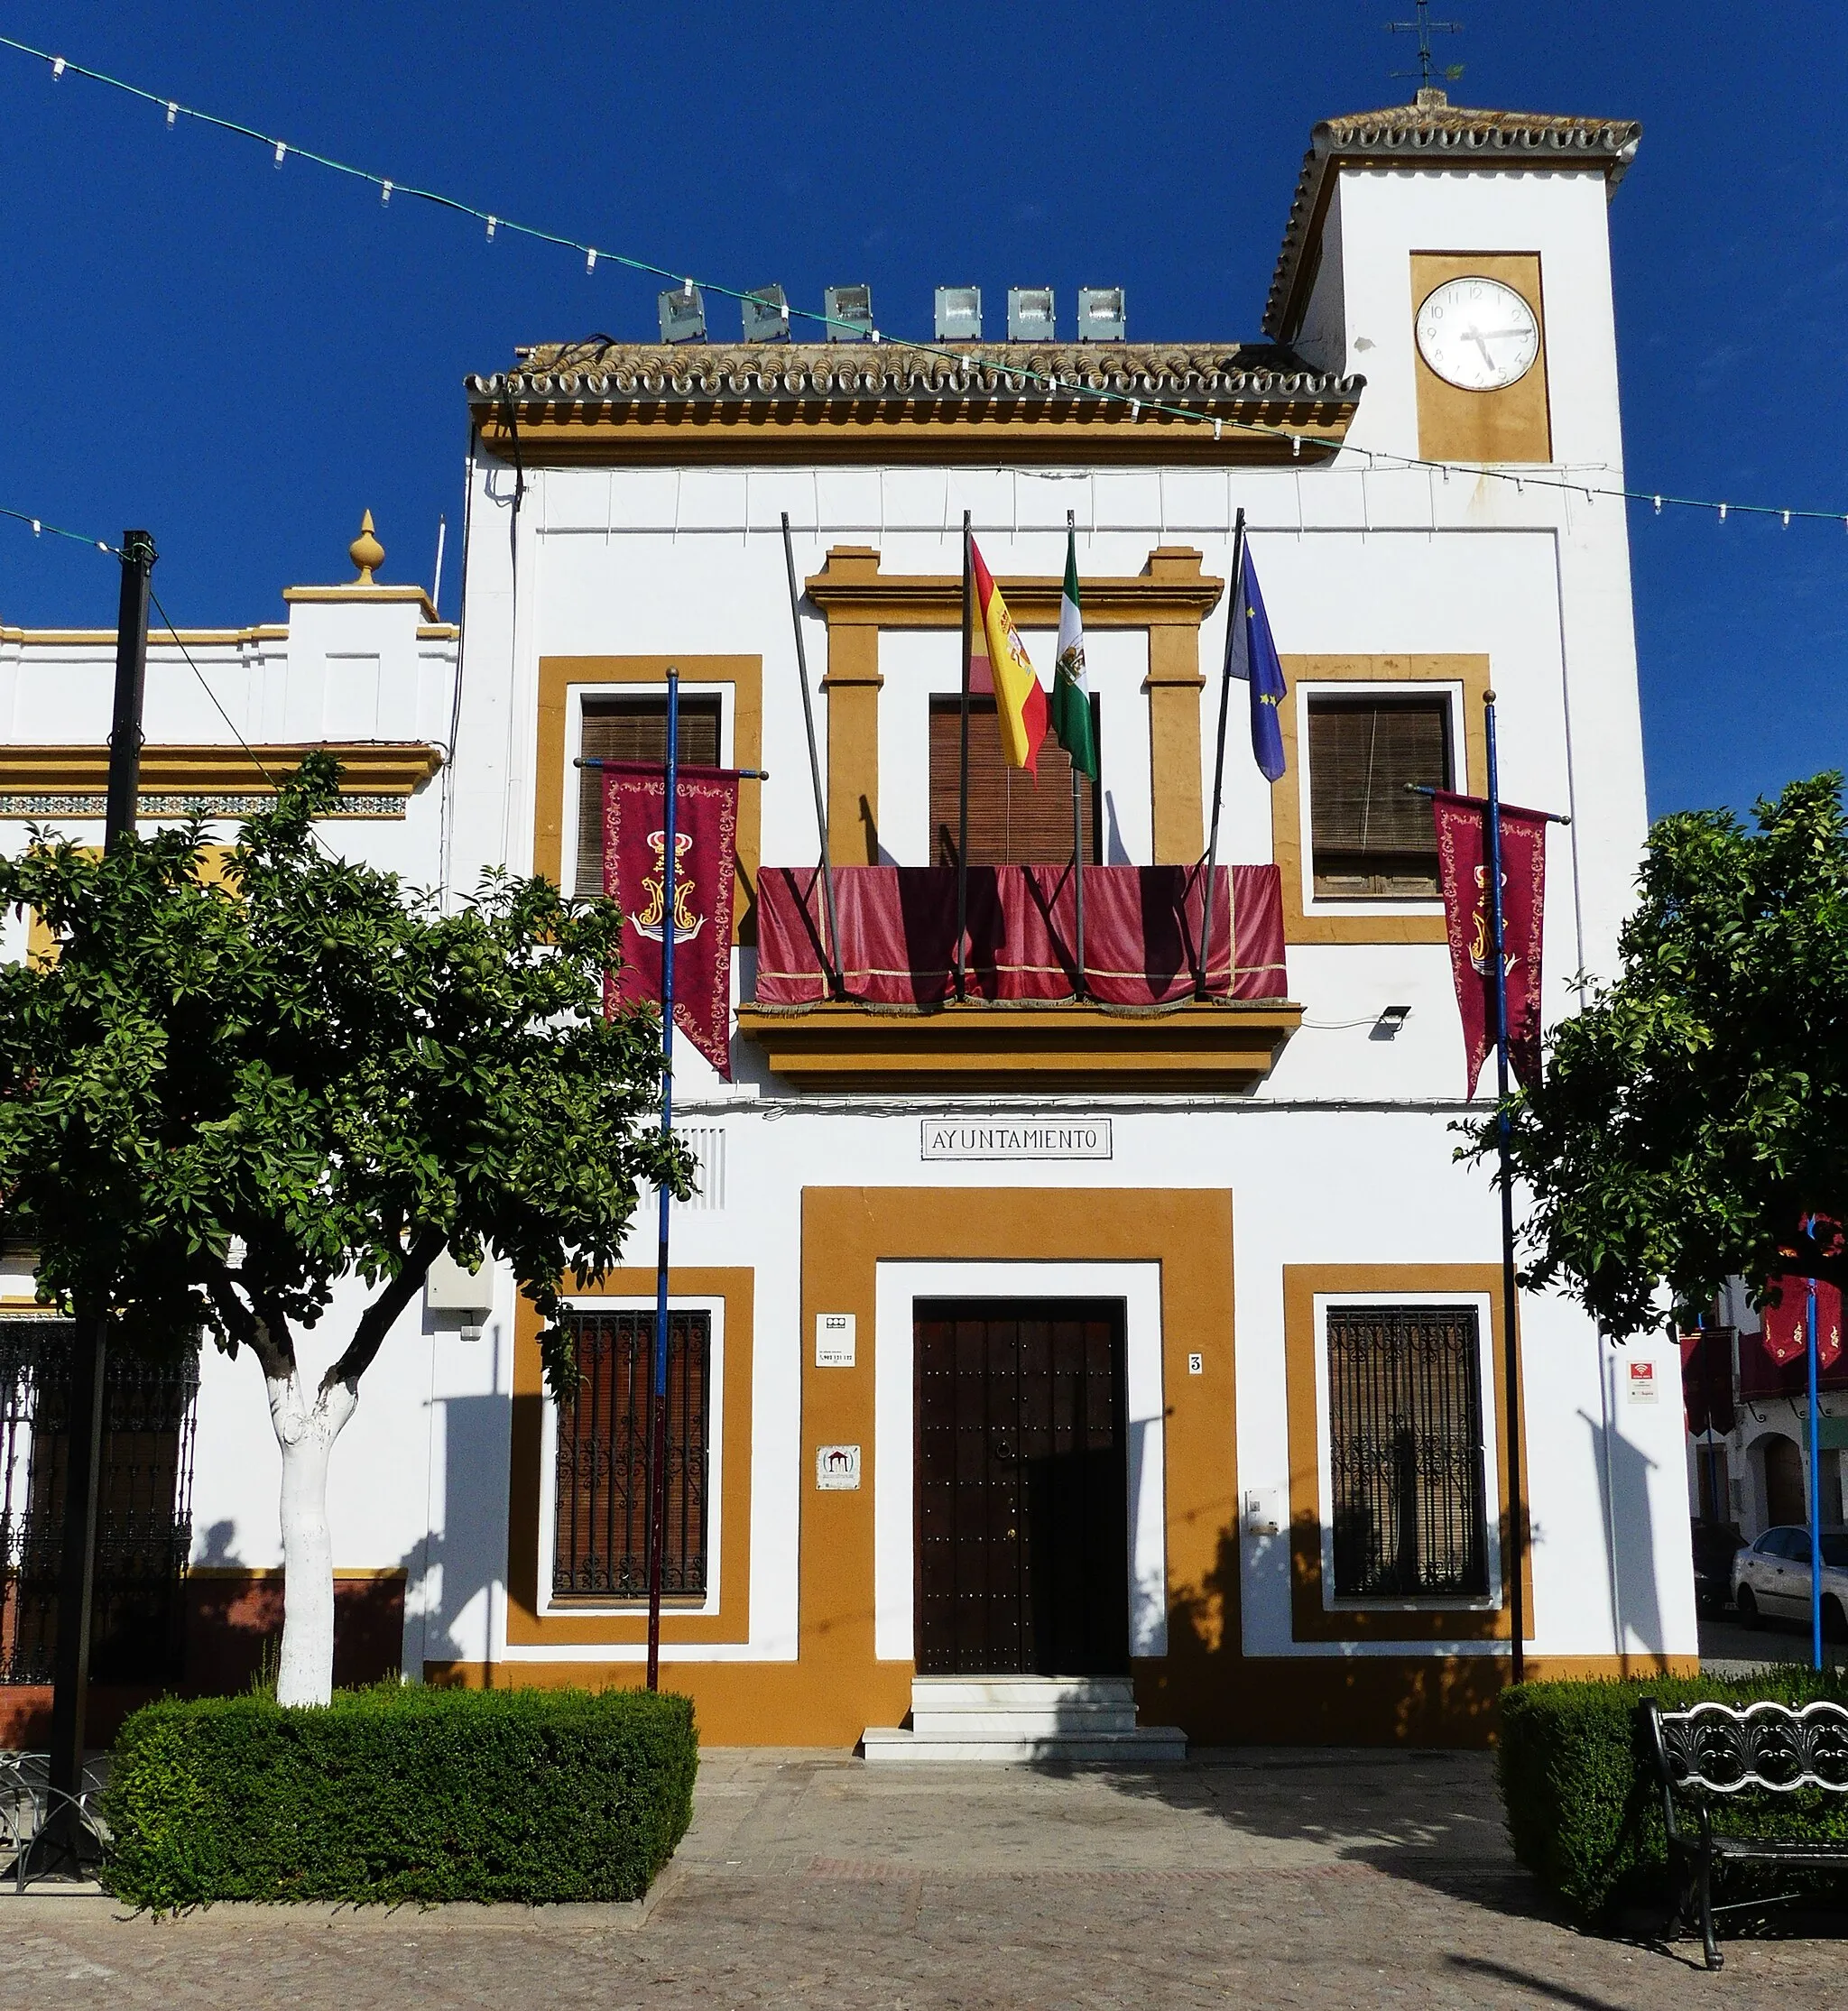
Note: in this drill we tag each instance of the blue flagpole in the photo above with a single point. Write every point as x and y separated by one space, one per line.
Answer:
658 1407
1517 1603
1816 1498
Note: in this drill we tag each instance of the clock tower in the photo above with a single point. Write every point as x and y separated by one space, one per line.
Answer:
1459 261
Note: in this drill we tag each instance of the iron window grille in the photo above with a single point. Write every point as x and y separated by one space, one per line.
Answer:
1406 1456
600 1538
143 1508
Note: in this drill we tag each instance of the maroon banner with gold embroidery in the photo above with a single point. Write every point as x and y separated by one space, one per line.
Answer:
1785 1312
1463 872
634 856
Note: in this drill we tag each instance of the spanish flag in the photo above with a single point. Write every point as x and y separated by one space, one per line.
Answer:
1019 701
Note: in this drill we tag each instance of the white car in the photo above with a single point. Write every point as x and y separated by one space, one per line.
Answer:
1770 1579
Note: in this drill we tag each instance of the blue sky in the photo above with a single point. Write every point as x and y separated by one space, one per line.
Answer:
241 357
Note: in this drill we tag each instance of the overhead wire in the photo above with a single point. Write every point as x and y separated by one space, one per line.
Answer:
1026 374
40 528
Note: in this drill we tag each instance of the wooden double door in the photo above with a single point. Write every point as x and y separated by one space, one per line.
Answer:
1023 1488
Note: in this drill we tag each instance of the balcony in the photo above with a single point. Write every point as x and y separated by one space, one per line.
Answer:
1144 1013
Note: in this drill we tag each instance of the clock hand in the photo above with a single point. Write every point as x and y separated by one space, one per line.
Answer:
1475 335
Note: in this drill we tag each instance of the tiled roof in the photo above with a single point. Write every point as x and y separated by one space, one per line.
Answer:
1202 375
1434 132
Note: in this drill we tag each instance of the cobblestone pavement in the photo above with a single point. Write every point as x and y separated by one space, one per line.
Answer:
1272 1878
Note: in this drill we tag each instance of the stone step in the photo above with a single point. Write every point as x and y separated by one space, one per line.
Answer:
1144 1745
949 1694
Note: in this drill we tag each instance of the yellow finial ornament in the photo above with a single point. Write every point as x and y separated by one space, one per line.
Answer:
366 552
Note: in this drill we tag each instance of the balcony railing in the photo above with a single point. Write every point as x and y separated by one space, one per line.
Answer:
1149 1003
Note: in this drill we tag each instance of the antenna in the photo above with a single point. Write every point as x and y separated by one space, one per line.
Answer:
1424 28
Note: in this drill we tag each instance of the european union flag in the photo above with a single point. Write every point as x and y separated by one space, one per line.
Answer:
1252 655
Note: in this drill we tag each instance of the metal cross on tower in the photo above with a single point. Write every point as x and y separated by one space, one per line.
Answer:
1424 28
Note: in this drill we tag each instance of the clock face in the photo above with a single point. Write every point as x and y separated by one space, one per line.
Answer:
1478 334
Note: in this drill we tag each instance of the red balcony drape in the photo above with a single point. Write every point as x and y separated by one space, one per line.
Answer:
1141 934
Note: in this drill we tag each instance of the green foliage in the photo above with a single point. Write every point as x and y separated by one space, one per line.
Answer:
1697 1108
401 1794
1585 1814
227 1092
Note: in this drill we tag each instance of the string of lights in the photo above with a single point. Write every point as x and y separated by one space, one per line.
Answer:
1023 374
41 528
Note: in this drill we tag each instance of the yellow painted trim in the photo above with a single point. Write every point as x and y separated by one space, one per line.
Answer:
557 675
355 592
1311 1620
376 768
895 430
851 591
1170 598
1213 1046
527 1627
1512 424
272 1574
1326 925
158 639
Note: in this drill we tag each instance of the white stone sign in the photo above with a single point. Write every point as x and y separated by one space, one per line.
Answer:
1015 1138
836 1467
834 1339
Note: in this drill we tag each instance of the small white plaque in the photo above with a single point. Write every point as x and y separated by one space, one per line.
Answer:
836 1467
1196 1365
834 1339
1023 1138
1642 1382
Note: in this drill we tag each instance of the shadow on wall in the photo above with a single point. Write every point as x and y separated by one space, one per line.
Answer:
457 1568
1225 1697
1623 1489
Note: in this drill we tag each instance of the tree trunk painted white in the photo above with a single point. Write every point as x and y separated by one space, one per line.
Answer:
305 1431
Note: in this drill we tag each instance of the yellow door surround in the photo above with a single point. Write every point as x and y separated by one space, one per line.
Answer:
1170 598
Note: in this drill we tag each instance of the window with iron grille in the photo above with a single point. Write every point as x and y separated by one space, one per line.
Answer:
600 1540
1372 835
1405 1443
143 1507
633 730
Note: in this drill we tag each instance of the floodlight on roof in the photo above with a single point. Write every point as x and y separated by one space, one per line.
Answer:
767 315
682 314
959 314
849 311
1101 314
1030 314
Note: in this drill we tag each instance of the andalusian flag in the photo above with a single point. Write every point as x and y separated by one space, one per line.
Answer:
1019 702
1071 689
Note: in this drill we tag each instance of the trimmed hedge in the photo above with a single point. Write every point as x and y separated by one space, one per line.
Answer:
401 1793
1585 1814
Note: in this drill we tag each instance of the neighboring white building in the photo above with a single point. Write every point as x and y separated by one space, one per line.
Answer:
1236 1245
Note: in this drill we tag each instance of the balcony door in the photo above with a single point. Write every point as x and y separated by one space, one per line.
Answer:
1023 1488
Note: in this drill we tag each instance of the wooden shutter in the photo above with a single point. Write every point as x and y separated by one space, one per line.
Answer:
1373 838
632 730
1013 820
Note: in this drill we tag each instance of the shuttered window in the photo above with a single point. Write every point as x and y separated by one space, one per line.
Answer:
1373 838
1013 821
1405 1451
600 1538
632 730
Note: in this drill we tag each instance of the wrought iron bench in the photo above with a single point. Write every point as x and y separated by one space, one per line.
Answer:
28 1802
1711 1750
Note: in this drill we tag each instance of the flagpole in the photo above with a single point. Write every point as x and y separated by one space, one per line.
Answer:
658 1406
963 774
836 978
1815 1492
1233 608
1511 1340
1071 523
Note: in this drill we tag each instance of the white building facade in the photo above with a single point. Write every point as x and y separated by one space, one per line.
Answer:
1012 1341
